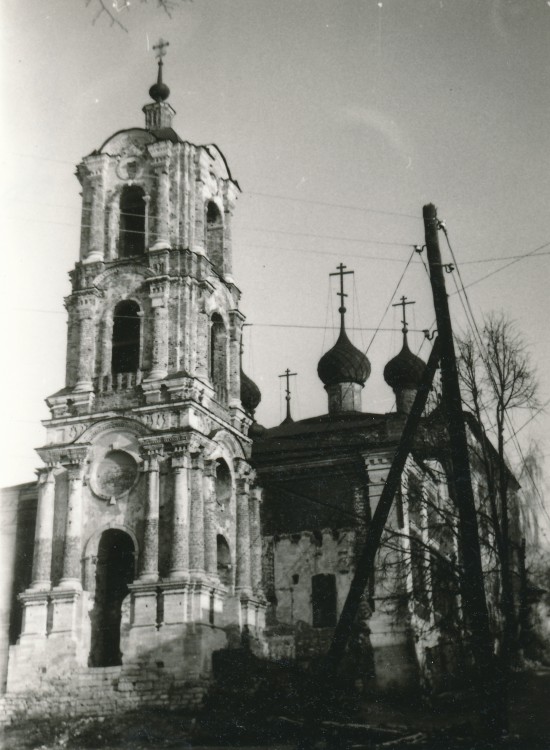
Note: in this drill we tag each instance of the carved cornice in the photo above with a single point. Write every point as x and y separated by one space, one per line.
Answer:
67 455
107 425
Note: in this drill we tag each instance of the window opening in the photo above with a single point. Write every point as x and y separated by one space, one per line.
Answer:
132 221
224 560
126 337
223 485
214 236
114 571
323 600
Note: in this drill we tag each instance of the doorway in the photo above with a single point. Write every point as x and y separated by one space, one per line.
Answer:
114 571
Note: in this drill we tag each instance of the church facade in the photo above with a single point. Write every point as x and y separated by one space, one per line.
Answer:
167 524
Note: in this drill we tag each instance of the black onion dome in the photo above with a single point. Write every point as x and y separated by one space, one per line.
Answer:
405 370
159 92
344 363
250 394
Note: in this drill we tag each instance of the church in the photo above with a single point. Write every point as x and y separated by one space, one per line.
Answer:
166 524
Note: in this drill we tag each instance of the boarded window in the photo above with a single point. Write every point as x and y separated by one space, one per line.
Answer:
132 221
126 337
323 600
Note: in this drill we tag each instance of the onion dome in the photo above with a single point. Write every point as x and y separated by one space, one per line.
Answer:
250 394
159 91
405 370
344 363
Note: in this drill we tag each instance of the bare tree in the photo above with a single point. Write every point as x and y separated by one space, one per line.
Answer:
497 378
113 10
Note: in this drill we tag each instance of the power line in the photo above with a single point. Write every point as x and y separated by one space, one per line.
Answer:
533 416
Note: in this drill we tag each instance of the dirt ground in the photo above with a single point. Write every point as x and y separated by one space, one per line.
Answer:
147 729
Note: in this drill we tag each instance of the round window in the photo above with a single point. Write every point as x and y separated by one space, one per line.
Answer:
114 474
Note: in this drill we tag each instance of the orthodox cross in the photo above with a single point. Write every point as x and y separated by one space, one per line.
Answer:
160 46
287 374
341 273
403 303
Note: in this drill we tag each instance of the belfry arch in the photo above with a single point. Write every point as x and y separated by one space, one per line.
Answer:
126 342
132 221
114 571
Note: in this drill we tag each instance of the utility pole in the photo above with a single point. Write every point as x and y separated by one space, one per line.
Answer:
472 584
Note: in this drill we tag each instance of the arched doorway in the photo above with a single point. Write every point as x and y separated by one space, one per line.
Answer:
114 571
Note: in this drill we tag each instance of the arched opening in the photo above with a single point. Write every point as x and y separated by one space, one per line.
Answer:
132 221
223 484
224 560
218 357
214 236
126 337
114 571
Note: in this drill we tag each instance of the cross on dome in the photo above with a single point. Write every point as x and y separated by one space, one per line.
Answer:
341 273
403 303
287 374
159 91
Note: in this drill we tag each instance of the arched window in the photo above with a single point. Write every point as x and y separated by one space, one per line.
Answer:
218 357
126 337
223 484
132 221
214 236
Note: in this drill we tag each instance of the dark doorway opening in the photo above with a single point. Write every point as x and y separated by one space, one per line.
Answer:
323 600
126 337
132 221
115 570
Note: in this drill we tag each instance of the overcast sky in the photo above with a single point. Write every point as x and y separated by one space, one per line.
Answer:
339 120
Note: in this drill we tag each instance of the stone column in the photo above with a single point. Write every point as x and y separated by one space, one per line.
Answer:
210 542
196 531
85 304
42 559
236 320
179 562
71 576
243 583
149 559
202 351
163 204
147 201
159 358
254 502
97 168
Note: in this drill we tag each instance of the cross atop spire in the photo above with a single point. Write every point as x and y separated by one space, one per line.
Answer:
160 46
287 374
159 91
342 309
403 303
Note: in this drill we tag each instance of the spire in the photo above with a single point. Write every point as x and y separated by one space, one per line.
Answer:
159 91
159 115
342 309
287 374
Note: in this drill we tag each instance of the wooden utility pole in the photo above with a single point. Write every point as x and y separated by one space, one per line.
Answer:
475 604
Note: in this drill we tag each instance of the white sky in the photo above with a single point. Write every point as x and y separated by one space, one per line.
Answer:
377 105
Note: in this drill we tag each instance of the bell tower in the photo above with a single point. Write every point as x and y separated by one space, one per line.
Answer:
147 451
